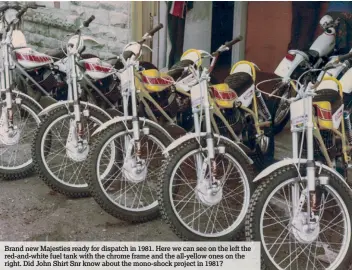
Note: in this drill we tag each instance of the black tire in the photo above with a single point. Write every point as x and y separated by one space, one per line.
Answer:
163 191
48 179
266 188
279 126
95 187
13 174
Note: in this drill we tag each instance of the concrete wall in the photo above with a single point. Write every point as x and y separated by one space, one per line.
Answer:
47 27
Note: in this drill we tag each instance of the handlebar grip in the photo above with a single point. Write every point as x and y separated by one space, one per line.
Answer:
21 12
155 29
42 6
87 22
345 57
233 42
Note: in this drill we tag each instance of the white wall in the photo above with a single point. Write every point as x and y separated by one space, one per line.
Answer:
198 27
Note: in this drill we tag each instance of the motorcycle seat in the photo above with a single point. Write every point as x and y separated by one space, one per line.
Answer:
239 82
223 95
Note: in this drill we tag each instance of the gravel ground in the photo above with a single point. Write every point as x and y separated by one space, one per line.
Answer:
29 210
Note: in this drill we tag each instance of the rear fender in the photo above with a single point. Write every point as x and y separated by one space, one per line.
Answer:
119 119
191 136
67 103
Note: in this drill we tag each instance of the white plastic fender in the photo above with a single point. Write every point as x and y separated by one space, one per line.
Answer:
66 103
289 161
129 118
20 94
191 136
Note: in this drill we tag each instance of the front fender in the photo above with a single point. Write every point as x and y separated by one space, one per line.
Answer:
290 161
24 96
67 103
191 136
129 118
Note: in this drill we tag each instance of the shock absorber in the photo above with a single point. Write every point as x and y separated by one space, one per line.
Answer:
348 126
264 109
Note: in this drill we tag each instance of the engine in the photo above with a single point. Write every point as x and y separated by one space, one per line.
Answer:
52 81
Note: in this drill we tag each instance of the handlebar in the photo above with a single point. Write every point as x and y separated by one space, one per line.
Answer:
155 29
21 12
344 57
87 22
233 42
151 32
228 45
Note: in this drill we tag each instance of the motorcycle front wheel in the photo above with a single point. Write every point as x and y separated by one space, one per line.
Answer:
127 191
15 149
57 161
281 108
192 210
287 241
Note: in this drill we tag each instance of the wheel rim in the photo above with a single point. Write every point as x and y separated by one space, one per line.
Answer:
26 125
199 222
302 255
74 176
131 196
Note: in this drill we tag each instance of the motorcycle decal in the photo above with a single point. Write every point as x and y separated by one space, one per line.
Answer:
324 114
223 95
29 58
97 68
298 114
337 117
323 111
32 58
154 81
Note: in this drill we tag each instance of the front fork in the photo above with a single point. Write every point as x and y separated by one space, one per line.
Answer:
6 93
73 95
311 197
210 162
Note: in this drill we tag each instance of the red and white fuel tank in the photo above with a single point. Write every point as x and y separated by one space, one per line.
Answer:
27 57
97 69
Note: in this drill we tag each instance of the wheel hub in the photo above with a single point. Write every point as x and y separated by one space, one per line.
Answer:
9 137
304 231
76 149
134 171
209 195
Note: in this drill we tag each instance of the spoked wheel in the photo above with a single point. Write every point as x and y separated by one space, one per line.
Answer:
198 208
289 238
59 159
15 143
129 190
281 109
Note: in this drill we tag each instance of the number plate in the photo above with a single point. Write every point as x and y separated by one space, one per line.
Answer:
184 83
298 114
283 68
197 96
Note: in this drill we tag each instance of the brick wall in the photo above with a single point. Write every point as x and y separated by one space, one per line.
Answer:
269 32
46 28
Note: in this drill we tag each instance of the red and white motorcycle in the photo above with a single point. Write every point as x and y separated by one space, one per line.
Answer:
295 63
61 142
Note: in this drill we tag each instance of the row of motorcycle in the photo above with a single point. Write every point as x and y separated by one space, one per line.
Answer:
145 143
